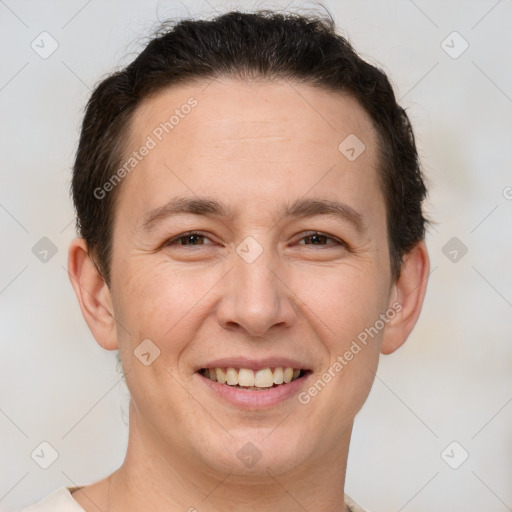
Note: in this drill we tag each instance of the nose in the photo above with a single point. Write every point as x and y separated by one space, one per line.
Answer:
256 297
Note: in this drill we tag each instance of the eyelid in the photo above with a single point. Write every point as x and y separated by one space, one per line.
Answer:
337 240
305 234
184 235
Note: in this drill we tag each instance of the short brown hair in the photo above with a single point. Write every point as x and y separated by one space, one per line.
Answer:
263 44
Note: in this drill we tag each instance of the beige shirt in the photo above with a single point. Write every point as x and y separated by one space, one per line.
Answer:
61 500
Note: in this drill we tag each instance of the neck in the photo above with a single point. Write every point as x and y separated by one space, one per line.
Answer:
151 478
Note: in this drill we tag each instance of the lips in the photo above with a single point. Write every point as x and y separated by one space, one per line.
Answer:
253 398
255 375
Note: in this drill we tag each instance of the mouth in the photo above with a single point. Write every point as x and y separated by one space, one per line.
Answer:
253 384
249 379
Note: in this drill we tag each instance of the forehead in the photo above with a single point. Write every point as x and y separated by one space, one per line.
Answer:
251 139
232 111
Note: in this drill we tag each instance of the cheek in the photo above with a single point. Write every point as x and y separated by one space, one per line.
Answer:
344 307
160 305
342 301
341 305
161 302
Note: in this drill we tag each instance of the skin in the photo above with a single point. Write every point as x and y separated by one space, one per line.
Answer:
253 146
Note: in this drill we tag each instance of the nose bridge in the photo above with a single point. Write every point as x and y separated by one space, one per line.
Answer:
256 299
255 285
253 276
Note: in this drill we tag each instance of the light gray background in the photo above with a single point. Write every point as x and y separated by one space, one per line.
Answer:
450 382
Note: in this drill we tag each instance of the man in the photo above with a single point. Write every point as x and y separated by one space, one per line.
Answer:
248 199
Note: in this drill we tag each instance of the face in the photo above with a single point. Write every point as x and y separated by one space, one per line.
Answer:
287 264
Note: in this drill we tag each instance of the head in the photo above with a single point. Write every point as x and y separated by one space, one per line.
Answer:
254 132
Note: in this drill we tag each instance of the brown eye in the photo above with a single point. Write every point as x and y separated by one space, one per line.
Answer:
188 239
316 238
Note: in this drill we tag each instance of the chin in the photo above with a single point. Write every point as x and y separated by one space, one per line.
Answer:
258 452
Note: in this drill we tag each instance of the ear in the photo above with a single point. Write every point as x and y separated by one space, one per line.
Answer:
408 292
93 295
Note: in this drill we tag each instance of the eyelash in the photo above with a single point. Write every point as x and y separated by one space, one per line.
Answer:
308 234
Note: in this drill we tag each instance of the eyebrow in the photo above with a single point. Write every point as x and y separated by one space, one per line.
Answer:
301 208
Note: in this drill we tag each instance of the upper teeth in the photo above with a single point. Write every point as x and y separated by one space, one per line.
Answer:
264 378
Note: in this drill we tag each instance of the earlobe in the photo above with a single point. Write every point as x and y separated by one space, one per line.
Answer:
93 295
409 292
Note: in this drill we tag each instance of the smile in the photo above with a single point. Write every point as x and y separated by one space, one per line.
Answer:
253 380
254 384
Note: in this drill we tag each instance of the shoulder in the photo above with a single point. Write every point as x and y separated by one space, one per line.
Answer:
59 500
353 506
